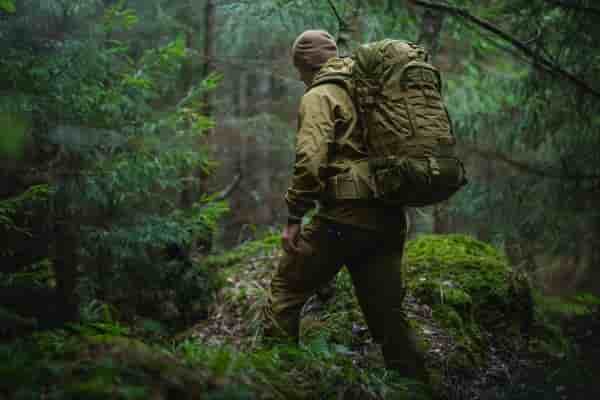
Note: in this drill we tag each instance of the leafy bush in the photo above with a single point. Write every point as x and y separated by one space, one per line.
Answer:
117 139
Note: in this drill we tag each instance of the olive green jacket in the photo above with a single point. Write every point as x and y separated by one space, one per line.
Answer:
329 139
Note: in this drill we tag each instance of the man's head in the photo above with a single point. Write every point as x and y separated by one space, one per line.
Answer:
310 51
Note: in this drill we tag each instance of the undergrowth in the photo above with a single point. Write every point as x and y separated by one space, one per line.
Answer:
336 359
98 362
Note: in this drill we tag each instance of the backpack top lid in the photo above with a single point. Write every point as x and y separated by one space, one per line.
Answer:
374 61
370 66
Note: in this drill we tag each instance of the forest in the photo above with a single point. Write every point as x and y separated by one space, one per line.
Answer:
145 150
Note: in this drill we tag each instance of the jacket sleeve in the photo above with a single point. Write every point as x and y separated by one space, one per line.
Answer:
316 124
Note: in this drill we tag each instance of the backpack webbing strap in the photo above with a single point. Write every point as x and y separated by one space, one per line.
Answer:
345 187
353 185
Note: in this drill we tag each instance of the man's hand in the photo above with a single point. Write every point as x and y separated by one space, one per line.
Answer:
289 238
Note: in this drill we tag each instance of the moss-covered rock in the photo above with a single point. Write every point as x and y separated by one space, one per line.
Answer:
473 293
66 365
467 282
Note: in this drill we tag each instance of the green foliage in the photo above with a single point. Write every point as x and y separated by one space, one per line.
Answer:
37 275
7 6
536 129
117 17
22 205
339 319
240 254
315 370
553 314
14 137
93 363
578 305
127 136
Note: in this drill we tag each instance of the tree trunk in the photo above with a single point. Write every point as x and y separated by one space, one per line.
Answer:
431 26
209 50
65 266
277 87
186 82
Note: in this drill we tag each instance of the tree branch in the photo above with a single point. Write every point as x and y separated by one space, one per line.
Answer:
525 167
255 65
223 194
537 59
337 15
11 320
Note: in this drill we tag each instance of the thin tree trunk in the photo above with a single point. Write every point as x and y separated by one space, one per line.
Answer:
431 26
209 50
186 81
65 266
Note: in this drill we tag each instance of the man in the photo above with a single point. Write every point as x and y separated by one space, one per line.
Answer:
366 237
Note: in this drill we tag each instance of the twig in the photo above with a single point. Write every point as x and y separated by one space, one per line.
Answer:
538 60
187 97
230 188
337 15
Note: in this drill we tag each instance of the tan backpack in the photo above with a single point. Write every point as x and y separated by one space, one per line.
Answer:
406 126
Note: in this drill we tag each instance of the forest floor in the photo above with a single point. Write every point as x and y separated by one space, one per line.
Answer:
464 302
507 368
229 324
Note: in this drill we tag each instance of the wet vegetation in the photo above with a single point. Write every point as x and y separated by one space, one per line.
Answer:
144 150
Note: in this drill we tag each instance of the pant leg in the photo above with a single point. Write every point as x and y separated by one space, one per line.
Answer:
298 276
378 281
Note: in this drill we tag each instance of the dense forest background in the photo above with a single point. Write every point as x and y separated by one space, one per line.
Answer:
142 140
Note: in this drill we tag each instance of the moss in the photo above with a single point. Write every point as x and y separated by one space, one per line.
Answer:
473 292
81 366
448 317
471 279
117 367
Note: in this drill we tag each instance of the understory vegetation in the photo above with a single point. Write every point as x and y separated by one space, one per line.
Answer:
481 324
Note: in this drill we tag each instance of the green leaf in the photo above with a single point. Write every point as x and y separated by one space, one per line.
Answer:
14 135
8 6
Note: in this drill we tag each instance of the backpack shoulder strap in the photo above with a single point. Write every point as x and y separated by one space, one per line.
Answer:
337 71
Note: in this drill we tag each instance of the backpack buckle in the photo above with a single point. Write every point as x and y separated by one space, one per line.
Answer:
434 166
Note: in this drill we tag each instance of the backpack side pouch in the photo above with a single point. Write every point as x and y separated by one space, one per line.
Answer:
416 182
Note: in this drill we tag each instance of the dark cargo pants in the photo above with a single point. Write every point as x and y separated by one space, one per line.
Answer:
374 260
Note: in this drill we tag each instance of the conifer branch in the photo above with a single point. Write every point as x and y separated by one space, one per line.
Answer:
574 6
537 59
543 172
337 15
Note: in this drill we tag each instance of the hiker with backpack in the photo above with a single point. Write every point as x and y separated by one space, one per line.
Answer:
373 137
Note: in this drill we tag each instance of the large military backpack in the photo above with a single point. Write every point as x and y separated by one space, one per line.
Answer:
407 129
